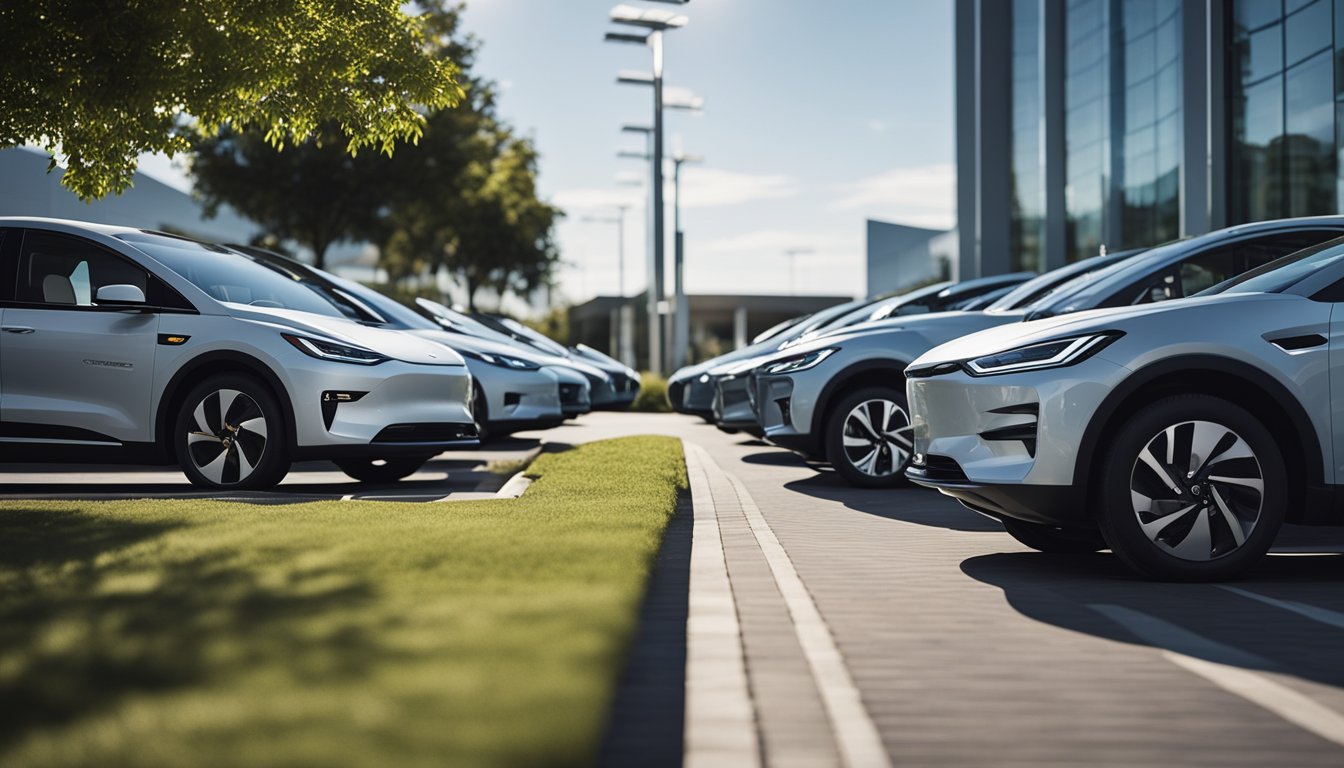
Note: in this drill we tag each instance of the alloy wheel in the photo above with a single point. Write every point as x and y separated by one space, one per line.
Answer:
228 436
877 437
1198 490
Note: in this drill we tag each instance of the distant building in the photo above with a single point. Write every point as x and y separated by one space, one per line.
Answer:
1127 123
26 189
901 256
719 323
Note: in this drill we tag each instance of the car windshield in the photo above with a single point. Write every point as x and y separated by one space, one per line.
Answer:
395 312
233 277
1281 274
1037 288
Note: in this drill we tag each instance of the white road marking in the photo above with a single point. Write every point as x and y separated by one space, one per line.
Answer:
1229 671
1323 615
720 718
855 734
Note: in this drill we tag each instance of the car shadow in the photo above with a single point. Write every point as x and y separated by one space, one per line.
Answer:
135 618
910 505
1286 616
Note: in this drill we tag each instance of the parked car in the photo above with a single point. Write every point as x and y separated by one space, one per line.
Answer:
1180 435
697 388
132 346
625 380
602 390
842 399
942 297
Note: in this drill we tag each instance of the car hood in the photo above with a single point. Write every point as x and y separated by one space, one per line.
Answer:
1078 323
462 342
932 329
602 360
396 344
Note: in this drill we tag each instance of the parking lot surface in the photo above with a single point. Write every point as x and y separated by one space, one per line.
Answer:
960 646
968 649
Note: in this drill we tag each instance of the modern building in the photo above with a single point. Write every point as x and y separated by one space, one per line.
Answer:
901 256
1126 123
719 323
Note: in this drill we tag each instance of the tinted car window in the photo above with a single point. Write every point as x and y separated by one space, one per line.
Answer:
1208 268
63 270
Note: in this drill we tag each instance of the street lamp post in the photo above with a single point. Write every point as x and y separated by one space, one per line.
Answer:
681 332
617 320
656 22
793 254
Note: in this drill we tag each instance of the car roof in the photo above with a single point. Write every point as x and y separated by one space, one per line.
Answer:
1099 285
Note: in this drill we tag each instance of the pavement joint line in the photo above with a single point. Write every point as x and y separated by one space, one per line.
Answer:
1237 677
856 736
720 717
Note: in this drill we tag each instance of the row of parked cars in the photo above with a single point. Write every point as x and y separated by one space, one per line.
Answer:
131 346
1173 404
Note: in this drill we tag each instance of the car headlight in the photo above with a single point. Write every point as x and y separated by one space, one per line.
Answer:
704 378
330 350
1046 354
800 362
504 361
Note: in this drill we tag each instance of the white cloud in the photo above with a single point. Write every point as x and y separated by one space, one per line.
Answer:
776 241
596 198
923 196
713 187
878 126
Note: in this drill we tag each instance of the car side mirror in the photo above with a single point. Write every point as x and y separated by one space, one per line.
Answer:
120 295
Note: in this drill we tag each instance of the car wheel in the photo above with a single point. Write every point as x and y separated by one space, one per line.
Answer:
230 433
1194 489
382 470
1048 538
868 437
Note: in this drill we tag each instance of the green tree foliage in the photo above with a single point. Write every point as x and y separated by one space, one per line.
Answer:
102 82
314 193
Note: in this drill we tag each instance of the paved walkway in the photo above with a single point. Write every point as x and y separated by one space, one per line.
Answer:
871 628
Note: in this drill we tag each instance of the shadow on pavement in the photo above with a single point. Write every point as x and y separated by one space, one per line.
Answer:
1287 616
645 726
775 458
909 505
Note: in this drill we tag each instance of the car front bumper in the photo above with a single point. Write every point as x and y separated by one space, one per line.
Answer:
393 408
1007 445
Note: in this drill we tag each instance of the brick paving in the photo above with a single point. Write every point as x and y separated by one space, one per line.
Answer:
969 649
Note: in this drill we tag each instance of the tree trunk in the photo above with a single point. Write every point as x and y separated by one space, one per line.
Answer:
471 294
320 253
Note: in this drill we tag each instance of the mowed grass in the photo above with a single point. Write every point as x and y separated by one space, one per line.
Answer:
186 633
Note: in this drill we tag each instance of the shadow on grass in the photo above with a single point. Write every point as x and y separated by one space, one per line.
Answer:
86 621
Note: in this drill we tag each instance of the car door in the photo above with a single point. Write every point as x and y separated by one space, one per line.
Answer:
72 371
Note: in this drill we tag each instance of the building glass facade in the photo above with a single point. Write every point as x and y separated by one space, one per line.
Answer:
1285 118
1128 123
1028 182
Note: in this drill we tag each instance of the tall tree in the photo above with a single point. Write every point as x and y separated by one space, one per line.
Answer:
314 193
101 83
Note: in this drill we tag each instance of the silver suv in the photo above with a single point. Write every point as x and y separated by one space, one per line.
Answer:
132 346
1181 435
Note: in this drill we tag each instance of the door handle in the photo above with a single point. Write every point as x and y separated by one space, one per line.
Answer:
17 329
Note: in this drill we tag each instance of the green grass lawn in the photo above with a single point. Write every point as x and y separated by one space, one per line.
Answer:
186 633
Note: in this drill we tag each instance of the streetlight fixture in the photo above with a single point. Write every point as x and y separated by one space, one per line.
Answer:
793 254
656 21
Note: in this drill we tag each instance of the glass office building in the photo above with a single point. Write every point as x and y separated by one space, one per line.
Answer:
1127 123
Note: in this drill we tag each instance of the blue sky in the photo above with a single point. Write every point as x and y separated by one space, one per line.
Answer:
818 114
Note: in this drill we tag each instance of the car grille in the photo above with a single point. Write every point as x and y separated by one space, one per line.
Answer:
570 394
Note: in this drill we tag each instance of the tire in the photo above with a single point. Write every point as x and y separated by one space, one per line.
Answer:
868 437
1206 522
230 433
382 470
1058 541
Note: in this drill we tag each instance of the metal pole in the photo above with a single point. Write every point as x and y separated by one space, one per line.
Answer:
620 250
681 336
656 287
